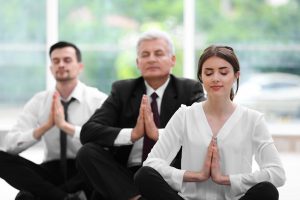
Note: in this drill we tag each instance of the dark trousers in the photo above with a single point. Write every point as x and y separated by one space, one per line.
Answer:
105 174
44 181
153 187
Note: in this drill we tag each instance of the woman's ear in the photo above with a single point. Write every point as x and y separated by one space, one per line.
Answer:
237 74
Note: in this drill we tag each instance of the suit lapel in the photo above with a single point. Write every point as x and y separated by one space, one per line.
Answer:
137 95
169 103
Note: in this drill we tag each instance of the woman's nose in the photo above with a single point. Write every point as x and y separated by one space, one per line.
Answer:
216 78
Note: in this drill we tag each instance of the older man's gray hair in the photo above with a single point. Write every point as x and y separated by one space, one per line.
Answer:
153 35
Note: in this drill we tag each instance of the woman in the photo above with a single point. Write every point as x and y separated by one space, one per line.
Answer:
219 139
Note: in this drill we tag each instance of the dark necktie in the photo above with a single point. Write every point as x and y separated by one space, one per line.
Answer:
63 141
148 143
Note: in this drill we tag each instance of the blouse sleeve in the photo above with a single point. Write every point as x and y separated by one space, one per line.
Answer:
267 158
166 148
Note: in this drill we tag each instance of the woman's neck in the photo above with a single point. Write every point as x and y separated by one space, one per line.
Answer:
217 113
218 107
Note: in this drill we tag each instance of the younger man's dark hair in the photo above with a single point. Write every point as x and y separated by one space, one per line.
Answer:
63 44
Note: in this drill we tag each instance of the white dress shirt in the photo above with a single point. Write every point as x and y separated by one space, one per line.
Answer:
124 137
36 112
243 136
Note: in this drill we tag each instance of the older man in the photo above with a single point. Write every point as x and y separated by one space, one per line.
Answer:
118 137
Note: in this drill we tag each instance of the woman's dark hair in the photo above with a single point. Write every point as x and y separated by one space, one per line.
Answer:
224 52
63 44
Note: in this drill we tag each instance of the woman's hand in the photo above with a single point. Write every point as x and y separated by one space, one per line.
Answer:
216 174
205 172
206 169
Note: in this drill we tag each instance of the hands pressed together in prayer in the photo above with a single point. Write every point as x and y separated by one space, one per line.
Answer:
56 118
145 123
210 169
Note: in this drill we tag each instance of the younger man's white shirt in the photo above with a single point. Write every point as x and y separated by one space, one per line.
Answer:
36 112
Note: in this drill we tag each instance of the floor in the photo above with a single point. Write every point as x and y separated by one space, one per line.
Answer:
290 191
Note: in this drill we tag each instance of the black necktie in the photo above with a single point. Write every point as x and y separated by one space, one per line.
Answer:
148 143
63 141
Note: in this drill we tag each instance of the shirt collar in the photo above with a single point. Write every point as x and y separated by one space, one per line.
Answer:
77 93
159 91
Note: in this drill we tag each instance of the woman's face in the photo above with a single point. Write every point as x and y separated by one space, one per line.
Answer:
218 77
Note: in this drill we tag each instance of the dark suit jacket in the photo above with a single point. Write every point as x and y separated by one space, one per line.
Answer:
121 109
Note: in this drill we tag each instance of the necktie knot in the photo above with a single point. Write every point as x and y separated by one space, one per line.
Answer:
154 96
154 108
67 103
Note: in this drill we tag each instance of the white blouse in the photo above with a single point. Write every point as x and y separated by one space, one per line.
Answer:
243 136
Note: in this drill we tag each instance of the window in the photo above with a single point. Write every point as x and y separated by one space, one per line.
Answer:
266 40
22 55
263 33
107 30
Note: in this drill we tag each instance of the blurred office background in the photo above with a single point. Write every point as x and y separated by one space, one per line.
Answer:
264 33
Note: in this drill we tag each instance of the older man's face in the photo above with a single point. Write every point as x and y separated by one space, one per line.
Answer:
155 60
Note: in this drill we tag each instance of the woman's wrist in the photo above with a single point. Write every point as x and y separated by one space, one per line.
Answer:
190 176
222 180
